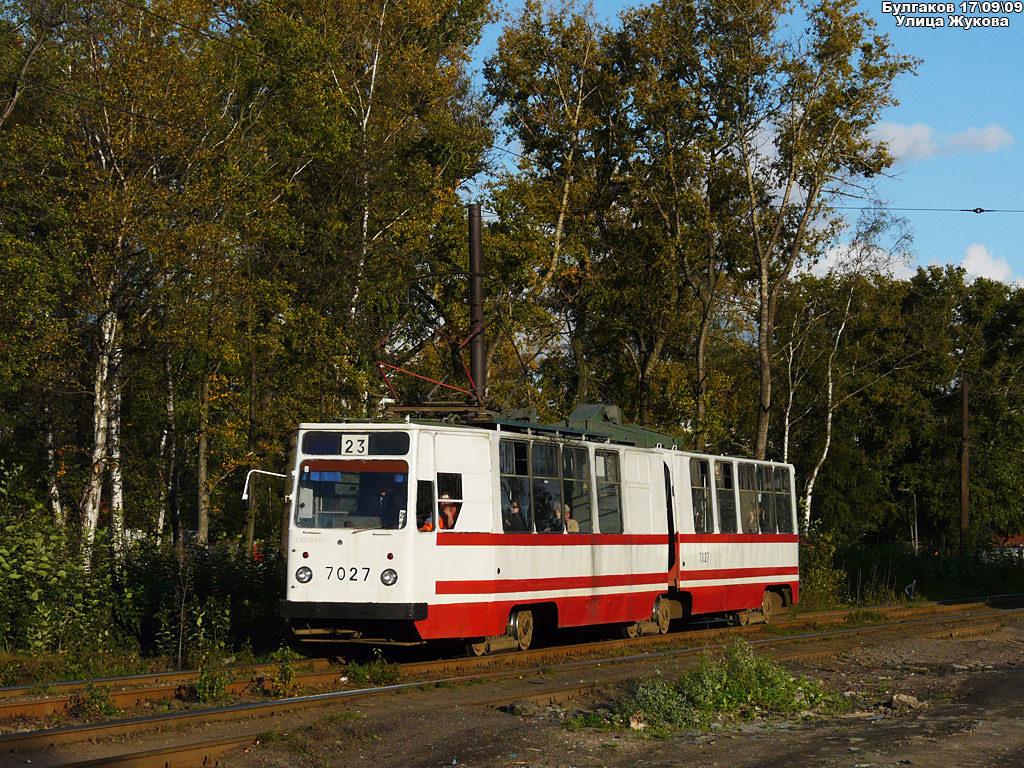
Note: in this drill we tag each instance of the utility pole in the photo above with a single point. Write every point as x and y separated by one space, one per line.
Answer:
477 348
965 457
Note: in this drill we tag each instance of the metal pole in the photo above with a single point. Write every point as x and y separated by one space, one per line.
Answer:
965 457
477 354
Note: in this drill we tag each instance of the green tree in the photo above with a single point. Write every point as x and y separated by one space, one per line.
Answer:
558 103
801 111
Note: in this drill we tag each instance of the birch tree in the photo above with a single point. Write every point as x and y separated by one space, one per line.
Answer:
815 349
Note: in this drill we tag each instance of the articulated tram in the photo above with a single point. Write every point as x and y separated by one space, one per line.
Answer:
416 531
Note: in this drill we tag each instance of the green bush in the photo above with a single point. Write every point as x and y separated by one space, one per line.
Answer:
71 617
209 686
376 672
822 583
738 686
92 702
881 572
49 600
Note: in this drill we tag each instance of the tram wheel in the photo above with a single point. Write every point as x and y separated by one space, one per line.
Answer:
630 631
662 615
767 604
521 628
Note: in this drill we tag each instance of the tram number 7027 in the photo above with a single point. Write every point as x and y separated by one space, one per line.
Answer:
347 574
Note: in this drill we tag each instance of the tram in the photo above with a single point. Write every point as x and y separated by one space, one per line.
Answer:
412 531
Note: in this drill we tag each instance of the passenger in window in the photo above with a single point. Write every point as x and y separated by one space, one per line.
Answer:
513 518
386 507
764 519
549 518
447 513
750 519
571 526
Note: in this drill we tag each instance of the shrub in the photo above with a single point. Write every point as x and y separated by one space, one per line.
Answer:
92 702
740 685
283 684
822 584
49 600
882 572
376 672
208 686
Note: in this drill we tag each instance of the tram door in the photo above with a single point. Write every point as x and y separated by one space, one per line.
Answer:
670 511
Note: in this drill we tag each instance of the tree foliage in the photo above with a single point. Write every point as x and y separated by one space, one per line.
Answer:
216 220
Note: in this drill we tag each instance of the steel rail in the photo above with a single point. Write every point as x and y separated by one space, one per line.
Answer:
172 682
44 739
134 697
202 754
148 678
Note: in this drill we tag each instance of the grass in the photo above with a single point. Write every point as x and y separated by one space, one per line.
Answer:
376 672
590 720
864 617
41 668
208 687
739 686
94 701
280 685
267 737
44 668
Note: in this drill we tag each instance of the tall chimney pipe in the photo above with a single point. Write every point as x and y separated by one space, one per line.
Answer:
477 355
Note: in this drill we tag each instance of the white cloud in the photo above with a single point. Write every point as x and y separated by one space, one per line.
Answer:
907 142
920 141
990 139
979 261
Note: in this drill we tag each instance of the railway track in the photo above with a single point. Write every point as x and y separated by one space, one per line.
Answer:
23 702
553 675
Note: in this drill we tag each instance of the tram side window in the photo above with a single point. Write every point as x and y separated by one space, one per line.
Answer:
547 490
514 461
609 491
748 497
726 493
576 489
783 502
424 505
765 500
449 499
700 492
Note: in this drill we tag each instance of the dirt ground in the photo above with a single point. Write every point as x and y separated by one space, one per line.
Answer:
958 702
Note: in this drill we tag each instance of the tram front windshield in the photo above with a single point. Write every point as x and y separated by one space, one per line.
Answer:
352 494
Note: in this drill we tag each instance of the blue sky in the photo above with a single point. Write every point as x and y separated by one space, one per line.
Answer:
958 133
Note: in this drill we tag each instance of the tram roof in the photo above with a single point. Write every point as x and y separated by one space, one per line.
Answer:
593 423
595 430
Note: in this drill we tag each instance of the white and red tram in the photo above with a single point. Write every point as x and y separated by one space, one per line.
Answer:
552 526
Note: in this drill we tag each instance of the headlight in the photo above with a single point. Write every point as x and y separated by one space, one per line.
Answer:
304 574
388 577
